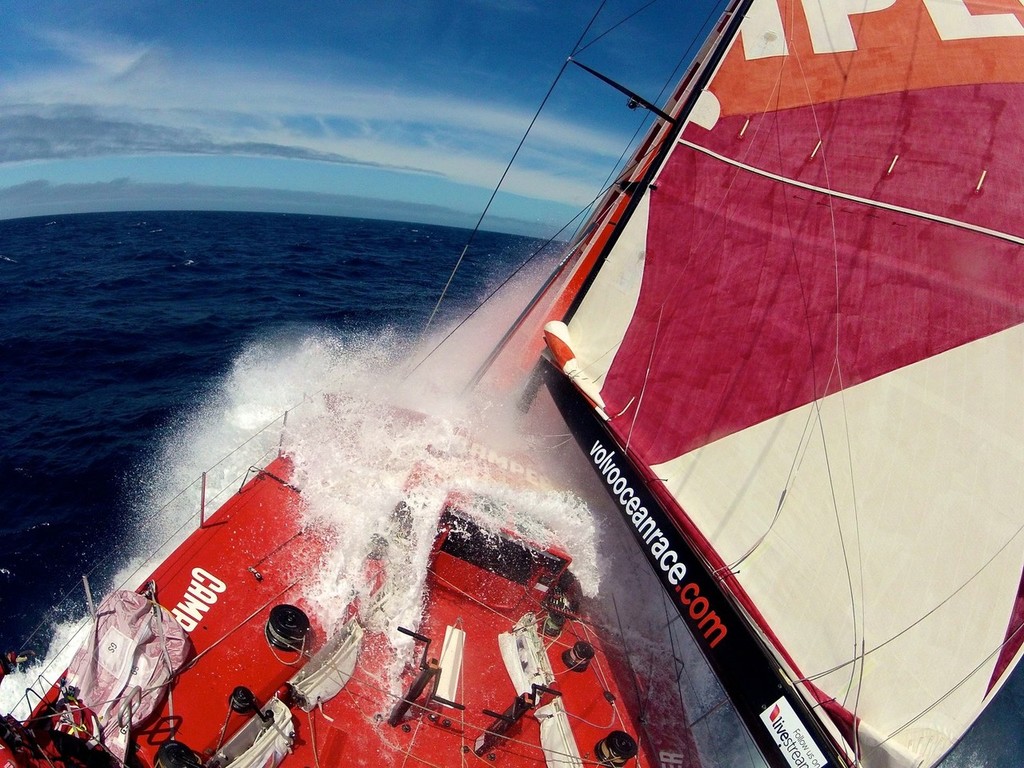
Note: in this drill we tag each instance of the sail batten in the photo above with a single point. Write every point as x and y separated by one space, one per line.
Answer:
879 204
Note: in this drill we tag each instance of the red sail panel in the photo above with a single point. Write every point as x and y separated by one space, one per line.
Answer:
917 150
748 323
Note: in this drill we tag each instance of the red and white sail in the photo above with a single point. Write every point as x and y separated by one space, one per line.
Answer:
811 331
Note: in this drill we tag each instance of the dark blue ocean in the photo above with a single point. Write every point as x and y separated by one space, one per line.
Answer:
115 327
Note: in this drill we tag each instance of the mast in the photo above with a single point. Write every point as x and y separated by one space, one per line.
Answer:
663 136
522 343
778 718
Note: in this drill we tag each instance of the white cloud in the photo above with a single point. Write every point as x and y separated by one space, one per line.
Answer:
103 53
115 96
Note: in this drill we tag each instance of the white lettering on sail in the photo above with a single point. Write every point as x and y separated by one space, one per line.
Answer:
832 30
200 594
829 23
954 21
762 31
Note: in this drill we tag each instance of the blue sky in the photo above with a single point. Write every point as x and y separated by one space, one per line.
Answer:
397 109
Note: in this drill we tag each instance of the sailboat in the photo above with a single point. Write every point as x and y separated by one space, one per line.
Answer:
788 341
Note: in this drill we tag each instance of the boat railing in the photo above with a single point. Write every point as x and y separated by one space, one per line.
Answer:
189 504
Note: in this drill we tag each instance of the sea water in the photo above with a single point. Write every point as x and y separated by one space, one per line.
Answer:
138 351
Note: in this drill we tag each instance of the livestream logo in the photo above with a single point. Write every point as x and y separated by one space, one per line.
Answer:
791 736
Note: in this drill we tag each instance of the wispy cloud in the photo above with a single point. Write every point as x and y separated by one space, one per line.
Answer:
109 54
72 131
110 96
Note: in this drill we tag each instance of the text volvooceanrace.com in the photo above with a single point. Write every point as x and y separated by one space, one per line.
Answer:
695 605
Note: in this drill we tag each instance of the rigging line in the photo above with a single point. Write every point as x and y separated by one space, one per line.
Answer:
698 242
672 77
798 456
743 165
627 169
494 193
372 685
616 25
959 684
67 594
635 99
807 428
861 629
680 664
195 659
860 555
610 181
842 538
609 184
640 161
717 213
502 284
932 610
174 534
472 598
312 736
505 282
561 265
803 444
715 12
508 167
647 376
629 663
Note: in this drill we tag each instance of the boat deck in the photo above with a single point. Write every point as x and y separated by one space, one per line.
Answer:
511 674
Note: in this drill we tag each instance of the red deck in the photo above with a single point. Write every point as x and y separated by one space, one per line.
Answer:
254 554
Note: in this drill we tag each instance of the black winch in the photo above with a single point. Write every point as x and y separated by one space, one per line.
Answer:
287 627
578 657
174 754
615 749
242 700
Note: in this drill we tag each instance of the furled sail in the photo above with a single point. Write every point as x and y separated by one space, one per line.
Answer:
808 338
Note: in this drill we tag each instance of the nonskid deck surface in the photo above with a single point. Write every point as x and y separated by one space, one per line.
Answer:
438 734
221 584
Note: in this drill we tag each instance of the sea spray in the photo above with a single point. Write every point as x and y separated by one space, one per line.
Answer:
361 459
355 451
355 441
